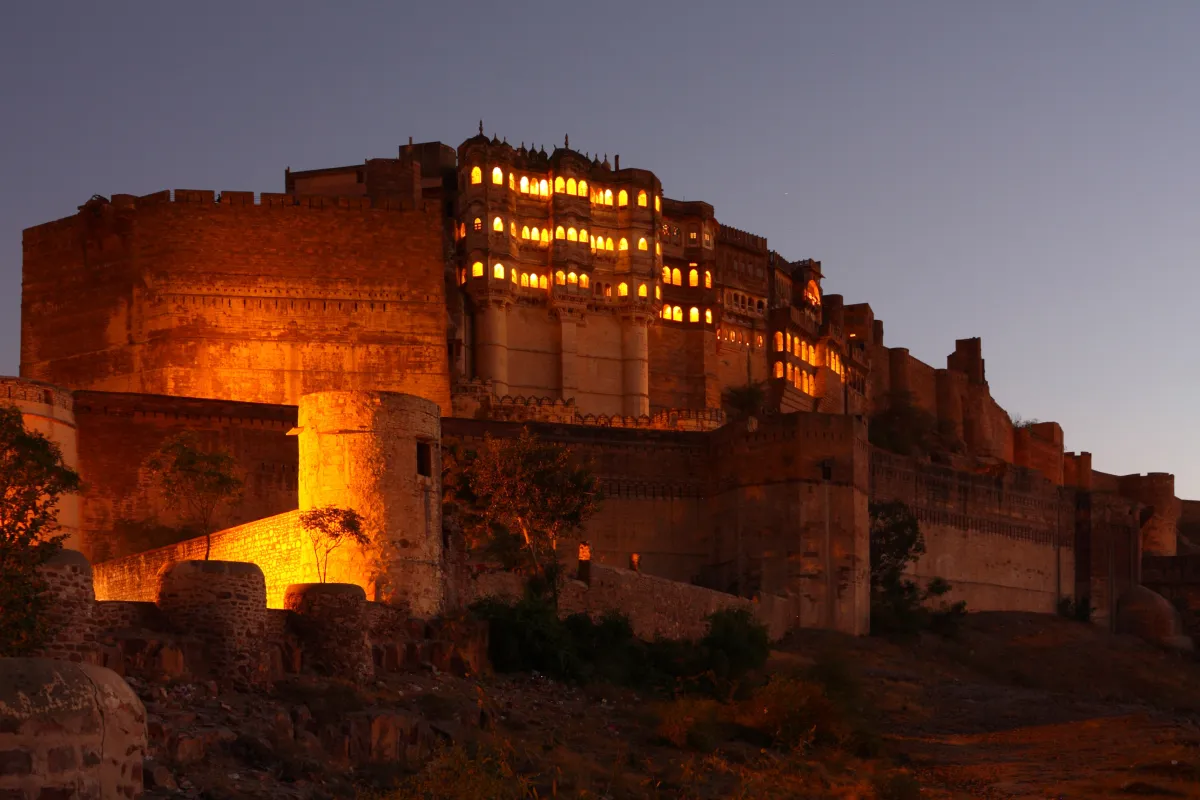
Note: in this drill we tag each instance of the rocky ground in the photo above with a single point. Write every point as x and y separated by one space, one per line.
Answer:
1018 705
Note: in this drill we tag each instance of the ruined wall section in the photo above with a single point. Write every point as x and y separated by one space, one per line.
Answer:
123 511
1004 543
238 300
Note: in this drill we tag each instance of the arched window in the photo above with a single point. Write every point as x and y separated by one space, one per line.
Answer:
478 224
592 242
693 278
608 197
542 282
642 243
524 231
623 244
658 248
572 236
708 316
477 269
559 184
497 176
525 184
544 187
572 278
512 182
787 346
545 236
512 227
666 274
641 290
622 289
462 230
498 271
608 244
623 198
658 293
788 370
514 274
796 346
666 312
694 314
525 280
707 279
498 225
583 188
642 198
677 314
583 235
657 203
778 341
462 276
560 232
812 294
778 369
534 234
476 175
560 278
584 280
676 277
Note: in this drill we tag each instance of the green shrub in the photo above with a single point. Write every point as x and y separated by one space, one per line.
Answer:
737 643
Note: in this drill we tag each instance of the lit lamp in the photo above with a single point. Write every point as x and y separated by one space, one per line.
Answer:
585 563
635 561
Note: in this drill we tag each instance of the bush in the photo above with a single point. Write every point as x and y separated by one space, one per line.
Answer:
737 643
459 773
899 606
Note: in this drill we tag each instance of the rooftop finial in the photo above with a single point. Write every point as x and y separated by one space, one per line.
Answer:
567 141
481 127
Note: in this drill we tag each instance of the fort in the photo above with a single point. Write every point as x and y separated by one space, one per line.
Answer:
337 337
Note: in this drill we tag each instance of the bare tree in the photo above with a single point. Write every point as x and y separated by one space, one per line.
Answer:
197 481
328 528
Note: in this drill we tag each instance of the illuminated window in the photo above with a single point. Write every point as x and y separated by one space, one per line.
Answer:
512 227
788 372
642 198
545 236
583 188
560 278
512 182
657 203
462 230
796 346
498 271
583 234
559 184
708 316
666 312
658 293
608 290
524 184
542 282
608 197
498 225
608 244
787 347
707 279
693 278
560 232
677 314
584 280
572 278
544 188
677 277
694 314
623 198
778 341
462 276
623 244
812 294
476 175
666 274
514 274
477 269
658 248
622 289
592 242
572 236
524 231
778 369
570 186
641 290
534 234
642 243
525 280
478 224
497 176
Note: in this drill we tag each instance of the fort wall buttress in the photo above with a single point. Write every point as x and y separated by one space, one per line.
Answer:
1157 492
236 300
682 375
123 511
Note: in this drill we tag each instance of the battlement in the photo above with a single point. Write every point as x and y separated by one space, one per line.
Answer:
23 390
740 238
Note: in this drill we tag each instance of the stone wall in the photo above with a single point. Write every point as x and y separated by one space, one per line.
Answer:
278 545
656 607
71 611
236 298
68 731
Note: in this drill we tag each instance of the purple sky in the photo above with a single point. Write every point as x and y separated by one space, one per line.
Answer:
1025 172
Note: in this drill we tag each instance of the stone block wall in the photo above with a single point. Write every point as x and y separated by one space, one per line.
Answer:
71 613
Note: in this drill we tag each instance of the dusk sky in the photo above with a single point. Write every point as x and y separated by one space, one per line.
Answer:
1022 172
